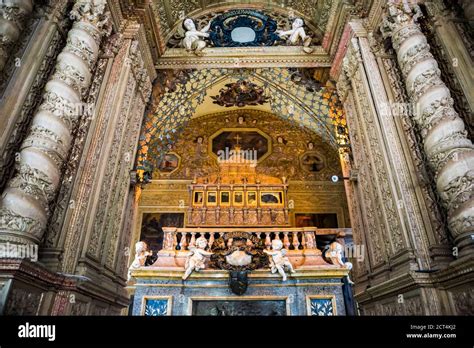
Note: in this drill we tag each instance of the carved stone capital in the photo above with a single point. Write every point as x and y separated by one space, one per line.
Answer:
352 59
399 16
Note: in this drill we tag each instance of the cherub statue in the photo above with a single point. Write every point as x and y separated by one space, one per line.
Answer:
297 34
195 262
334 254
278 260
192 38
141 253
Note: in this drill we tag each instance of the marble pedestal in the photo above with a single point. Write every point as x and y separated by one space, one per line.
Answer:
159 291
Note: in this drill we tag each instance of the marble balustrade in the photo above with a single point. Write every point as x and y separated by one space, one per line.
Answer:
300 242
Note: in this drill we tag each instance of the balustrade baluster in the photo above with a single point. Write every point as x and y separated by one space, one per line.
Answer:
303 241
296 242
211 239
167 240
183 243
268 241
193 239
277 235
286 240
175 240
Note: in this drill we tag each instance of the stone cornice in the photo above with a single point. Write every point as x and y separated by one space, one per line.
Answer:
328 271
251 57
22 269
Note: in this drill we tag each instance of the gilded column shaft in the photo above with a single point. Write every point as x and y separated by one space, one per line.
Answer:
24 207
13 14
449 151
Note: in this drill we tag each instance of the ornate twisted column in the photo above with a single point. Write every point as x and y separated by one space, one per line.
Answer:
449 151
12 17
24 206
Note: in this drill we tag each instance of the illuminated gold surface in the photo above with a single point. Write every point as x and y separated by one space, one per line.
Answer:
222 130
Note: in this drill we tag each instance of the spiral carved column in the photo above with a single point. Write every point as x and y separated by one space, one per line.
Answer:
449 151
24 206
13 14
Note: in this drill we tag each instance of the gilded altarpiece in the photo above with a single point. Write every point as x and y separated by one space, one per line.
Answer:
310 189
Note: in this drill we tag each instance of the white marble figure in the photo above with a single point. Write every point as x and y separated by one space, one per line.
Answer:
141 253
334 254
192 38
278 260
195 261
296 35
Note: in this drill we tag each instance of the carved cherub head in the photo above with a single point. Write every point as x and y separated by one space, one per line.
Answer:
188 24
140 247
201 243
277 244
297 23
336 247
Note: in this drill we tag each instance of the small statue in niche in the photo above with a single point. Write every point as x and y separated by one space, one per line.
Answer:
334 254
195 262
297 34
278 260
199 140
199 155
192 38
281 140
141 254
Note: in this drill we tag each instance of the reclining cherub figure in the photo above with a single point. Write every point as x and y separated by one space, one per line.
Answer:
278 260
297 34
